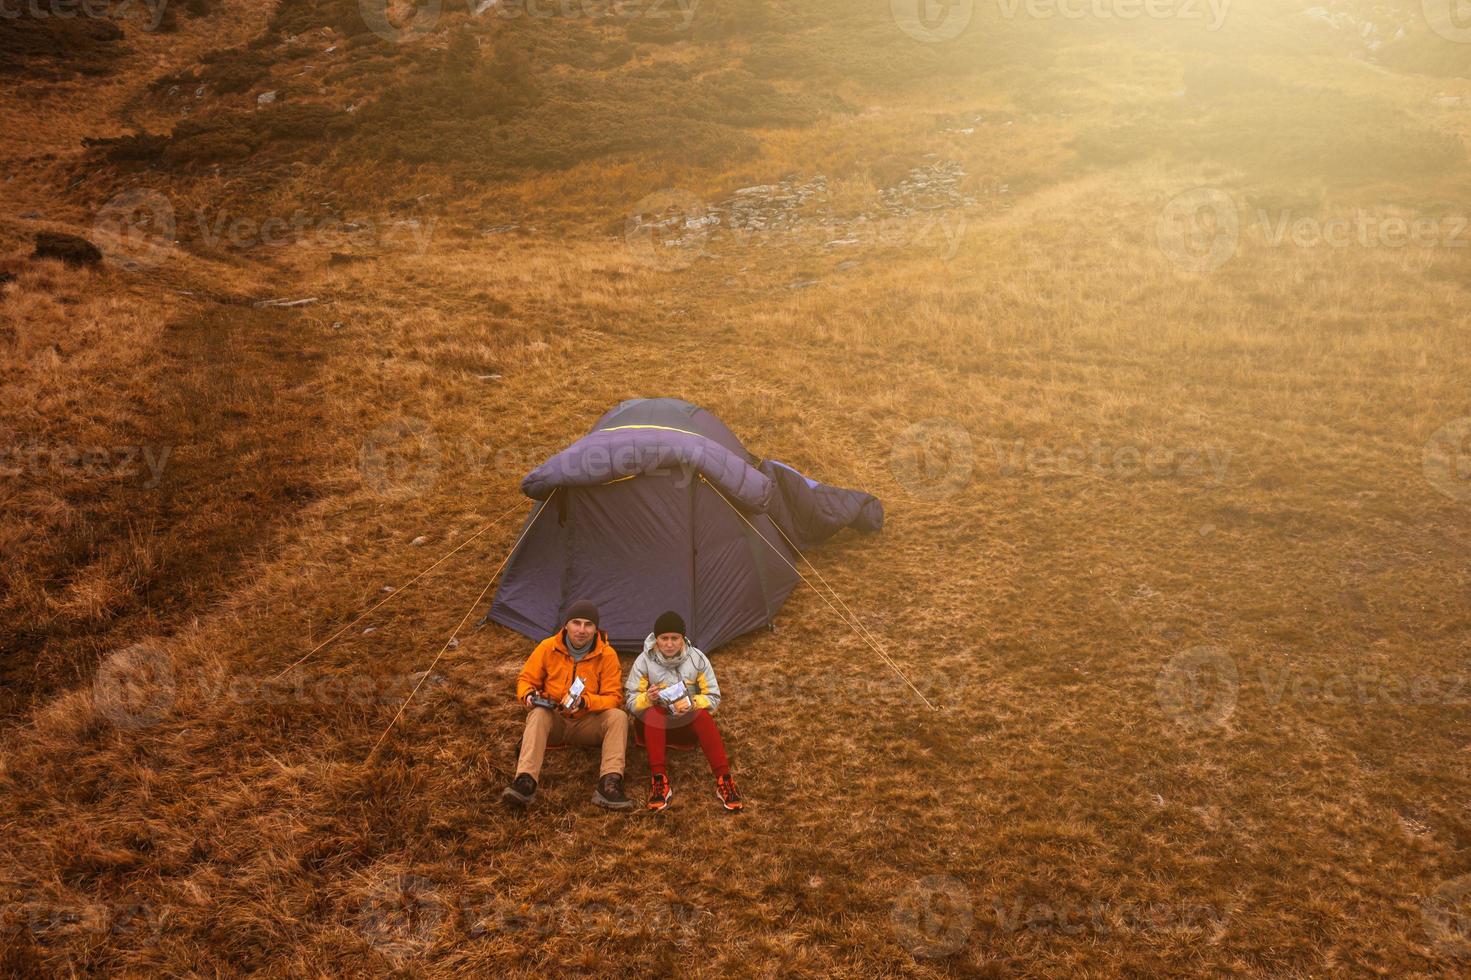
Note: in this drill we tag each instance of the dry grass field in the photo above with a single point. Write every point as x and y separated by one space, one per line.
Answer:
1164 388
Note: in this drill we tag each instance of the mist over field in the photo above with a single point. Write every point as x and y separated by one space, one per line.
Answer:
1145 321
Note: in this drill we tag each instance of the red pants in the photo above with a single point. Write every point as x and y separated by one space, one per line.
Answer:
656 723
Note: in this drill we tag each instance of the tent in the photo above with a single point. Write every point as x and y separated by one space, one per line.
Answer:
660 507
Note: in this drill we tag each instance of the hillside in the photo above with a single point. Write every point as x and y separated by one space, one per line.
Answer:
1150 332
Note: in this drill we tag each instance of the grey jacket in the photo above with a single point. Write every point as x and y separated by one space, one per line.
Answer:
653 669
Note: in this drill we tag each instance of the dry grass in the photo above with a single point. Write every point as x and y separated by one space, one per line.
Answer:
1159 462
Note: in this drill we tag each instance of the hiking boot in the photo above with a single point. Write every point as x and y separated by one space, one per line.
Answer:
660 792
726 791
521 791
609 793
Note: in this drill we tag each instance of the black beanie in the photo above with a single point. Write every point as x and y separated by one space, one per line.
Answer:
669 622
581 609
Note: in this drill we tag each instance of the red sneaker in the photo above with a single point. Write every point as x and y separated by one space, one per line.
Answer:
725 788
660 792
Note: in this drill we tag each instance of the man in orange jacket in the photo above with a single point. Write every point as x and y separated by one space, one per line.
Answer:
593 716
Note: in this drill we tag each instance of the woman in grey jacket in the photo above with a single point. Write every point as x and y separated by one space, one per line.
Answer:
673 684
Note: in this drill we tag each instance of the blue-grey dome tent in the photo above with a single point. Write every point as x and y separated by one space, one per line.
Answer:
660 507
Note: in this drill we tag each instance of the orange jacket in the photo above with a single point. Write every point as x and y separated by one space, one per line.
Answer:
550 669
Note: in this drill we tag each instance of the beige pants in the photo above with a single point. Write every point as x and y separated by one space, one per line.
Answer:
606 728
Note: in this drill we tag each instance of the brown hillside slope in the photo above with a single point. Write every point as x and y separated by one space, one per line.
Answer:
1177 544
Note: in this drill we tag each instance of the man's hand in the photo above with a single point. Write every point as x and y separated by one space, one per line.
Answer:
576 706
531 694
675 707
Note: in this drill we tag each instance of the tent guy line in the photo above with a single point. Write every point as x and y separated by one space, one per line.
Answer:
396 593
858 628
463 620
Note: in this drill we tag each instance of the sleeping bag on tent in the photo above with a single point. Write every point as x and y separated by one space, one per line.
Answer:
660 507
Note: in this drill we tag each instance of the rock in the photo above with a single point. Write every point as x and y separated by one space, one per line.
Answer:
265 98
337 325
71 249
284 304
369 630
849 264
802 284
387 588
420 541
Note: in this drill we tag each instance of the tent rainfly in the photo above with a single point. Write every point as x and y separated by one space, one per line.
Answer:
660 507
